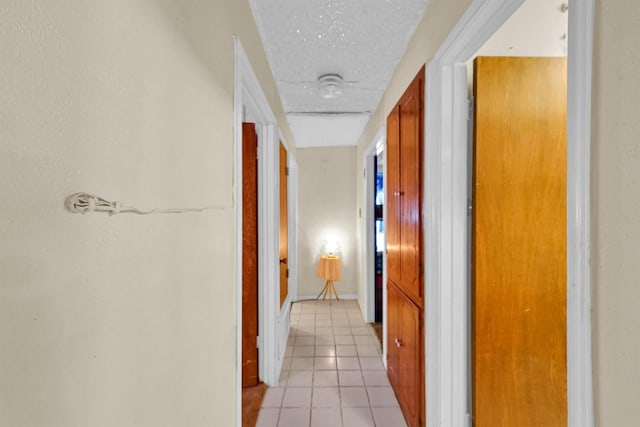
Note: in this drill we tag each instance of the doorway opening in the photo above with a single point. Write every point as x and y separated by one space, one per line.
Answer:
446 188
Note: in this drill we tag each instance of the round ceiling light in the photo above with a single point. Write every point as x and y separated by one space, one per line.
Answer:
330 85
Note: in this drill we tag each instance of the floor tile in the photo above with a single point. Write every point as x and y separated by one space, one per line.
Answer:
332 374
268 417
344 339
301 363
273 397
375 378
341 330
324 340
325 397
354 397
306 340
357 417
326 417
325 351
350 378
366 350
297 397
294 417
325 363
382 396
325 379
303 351
284 375
348 363
370 363
324 331
388 417
365 339
300 379
346 350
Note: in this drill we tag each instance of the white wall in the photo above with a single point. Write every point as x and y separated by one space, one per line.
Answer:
125 320
327 208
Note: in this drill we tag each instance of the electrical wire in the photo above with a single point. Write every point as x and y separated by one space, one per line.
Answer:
85 202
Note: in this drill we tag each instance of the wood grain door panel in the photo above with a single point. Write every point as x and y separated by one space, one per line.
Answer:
249 255
519 243
411 190
284 231
392 196
405 335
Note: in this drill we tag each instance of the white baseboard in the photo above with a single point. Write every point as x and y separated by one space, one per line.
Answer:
313 297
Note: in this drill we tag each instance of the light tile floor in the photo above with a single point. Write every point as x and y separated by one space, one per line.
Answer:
332 373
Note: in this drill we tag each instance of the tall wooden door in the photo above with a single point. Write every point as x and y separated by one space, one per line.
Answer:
284 233
249 255
405 355
519 243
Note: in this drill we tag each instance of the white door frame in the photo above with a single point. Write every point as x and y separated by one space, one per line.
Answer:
377 143
250 99
445 207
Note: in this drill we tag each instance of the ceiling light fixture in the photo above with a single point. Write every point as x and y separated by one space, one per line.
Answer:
330 85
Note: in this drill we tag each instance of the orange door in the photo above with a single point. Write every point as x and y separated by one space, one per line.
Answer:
284 234
249 255
519 243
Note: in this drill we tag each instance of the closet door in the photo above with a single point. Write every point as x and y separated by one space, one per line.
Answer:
519 243
392 200
410 193
405 339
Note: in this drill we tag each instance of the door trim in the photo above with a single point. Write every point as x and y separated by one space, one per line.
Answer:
377 143
445 207
250 99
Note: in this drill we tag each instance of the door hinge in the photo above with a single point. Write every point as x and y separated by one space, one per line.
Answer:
258 341
286 171
257 151
471 104
287 273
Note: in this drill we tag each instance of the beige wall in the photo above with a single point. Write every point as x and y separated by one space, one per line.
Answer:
125 320
327 208
615 185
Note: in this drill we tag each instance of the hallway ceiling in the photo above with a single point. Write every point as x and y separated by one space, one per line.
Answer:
361 40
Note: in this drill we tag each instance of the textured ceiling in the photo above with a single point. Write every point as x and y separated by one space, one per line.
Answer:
362 40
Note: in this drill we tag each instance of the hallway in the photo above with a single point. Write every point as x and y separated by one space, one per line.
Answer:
332 372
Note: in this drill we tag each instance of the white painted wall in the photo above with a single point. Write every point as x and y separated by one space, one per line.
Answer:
327 209
125 320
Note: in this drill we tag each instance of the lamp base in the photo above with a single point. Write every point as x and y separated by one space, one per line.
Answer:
329 287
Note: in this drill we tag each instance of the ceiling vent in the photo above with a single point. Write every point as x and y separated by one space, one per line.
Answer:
330 85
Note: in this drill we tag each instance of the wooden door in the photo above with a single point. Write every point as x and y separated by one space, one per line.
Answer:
392 190
404 191
284 233
410 193
519 243
249 255
405 355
